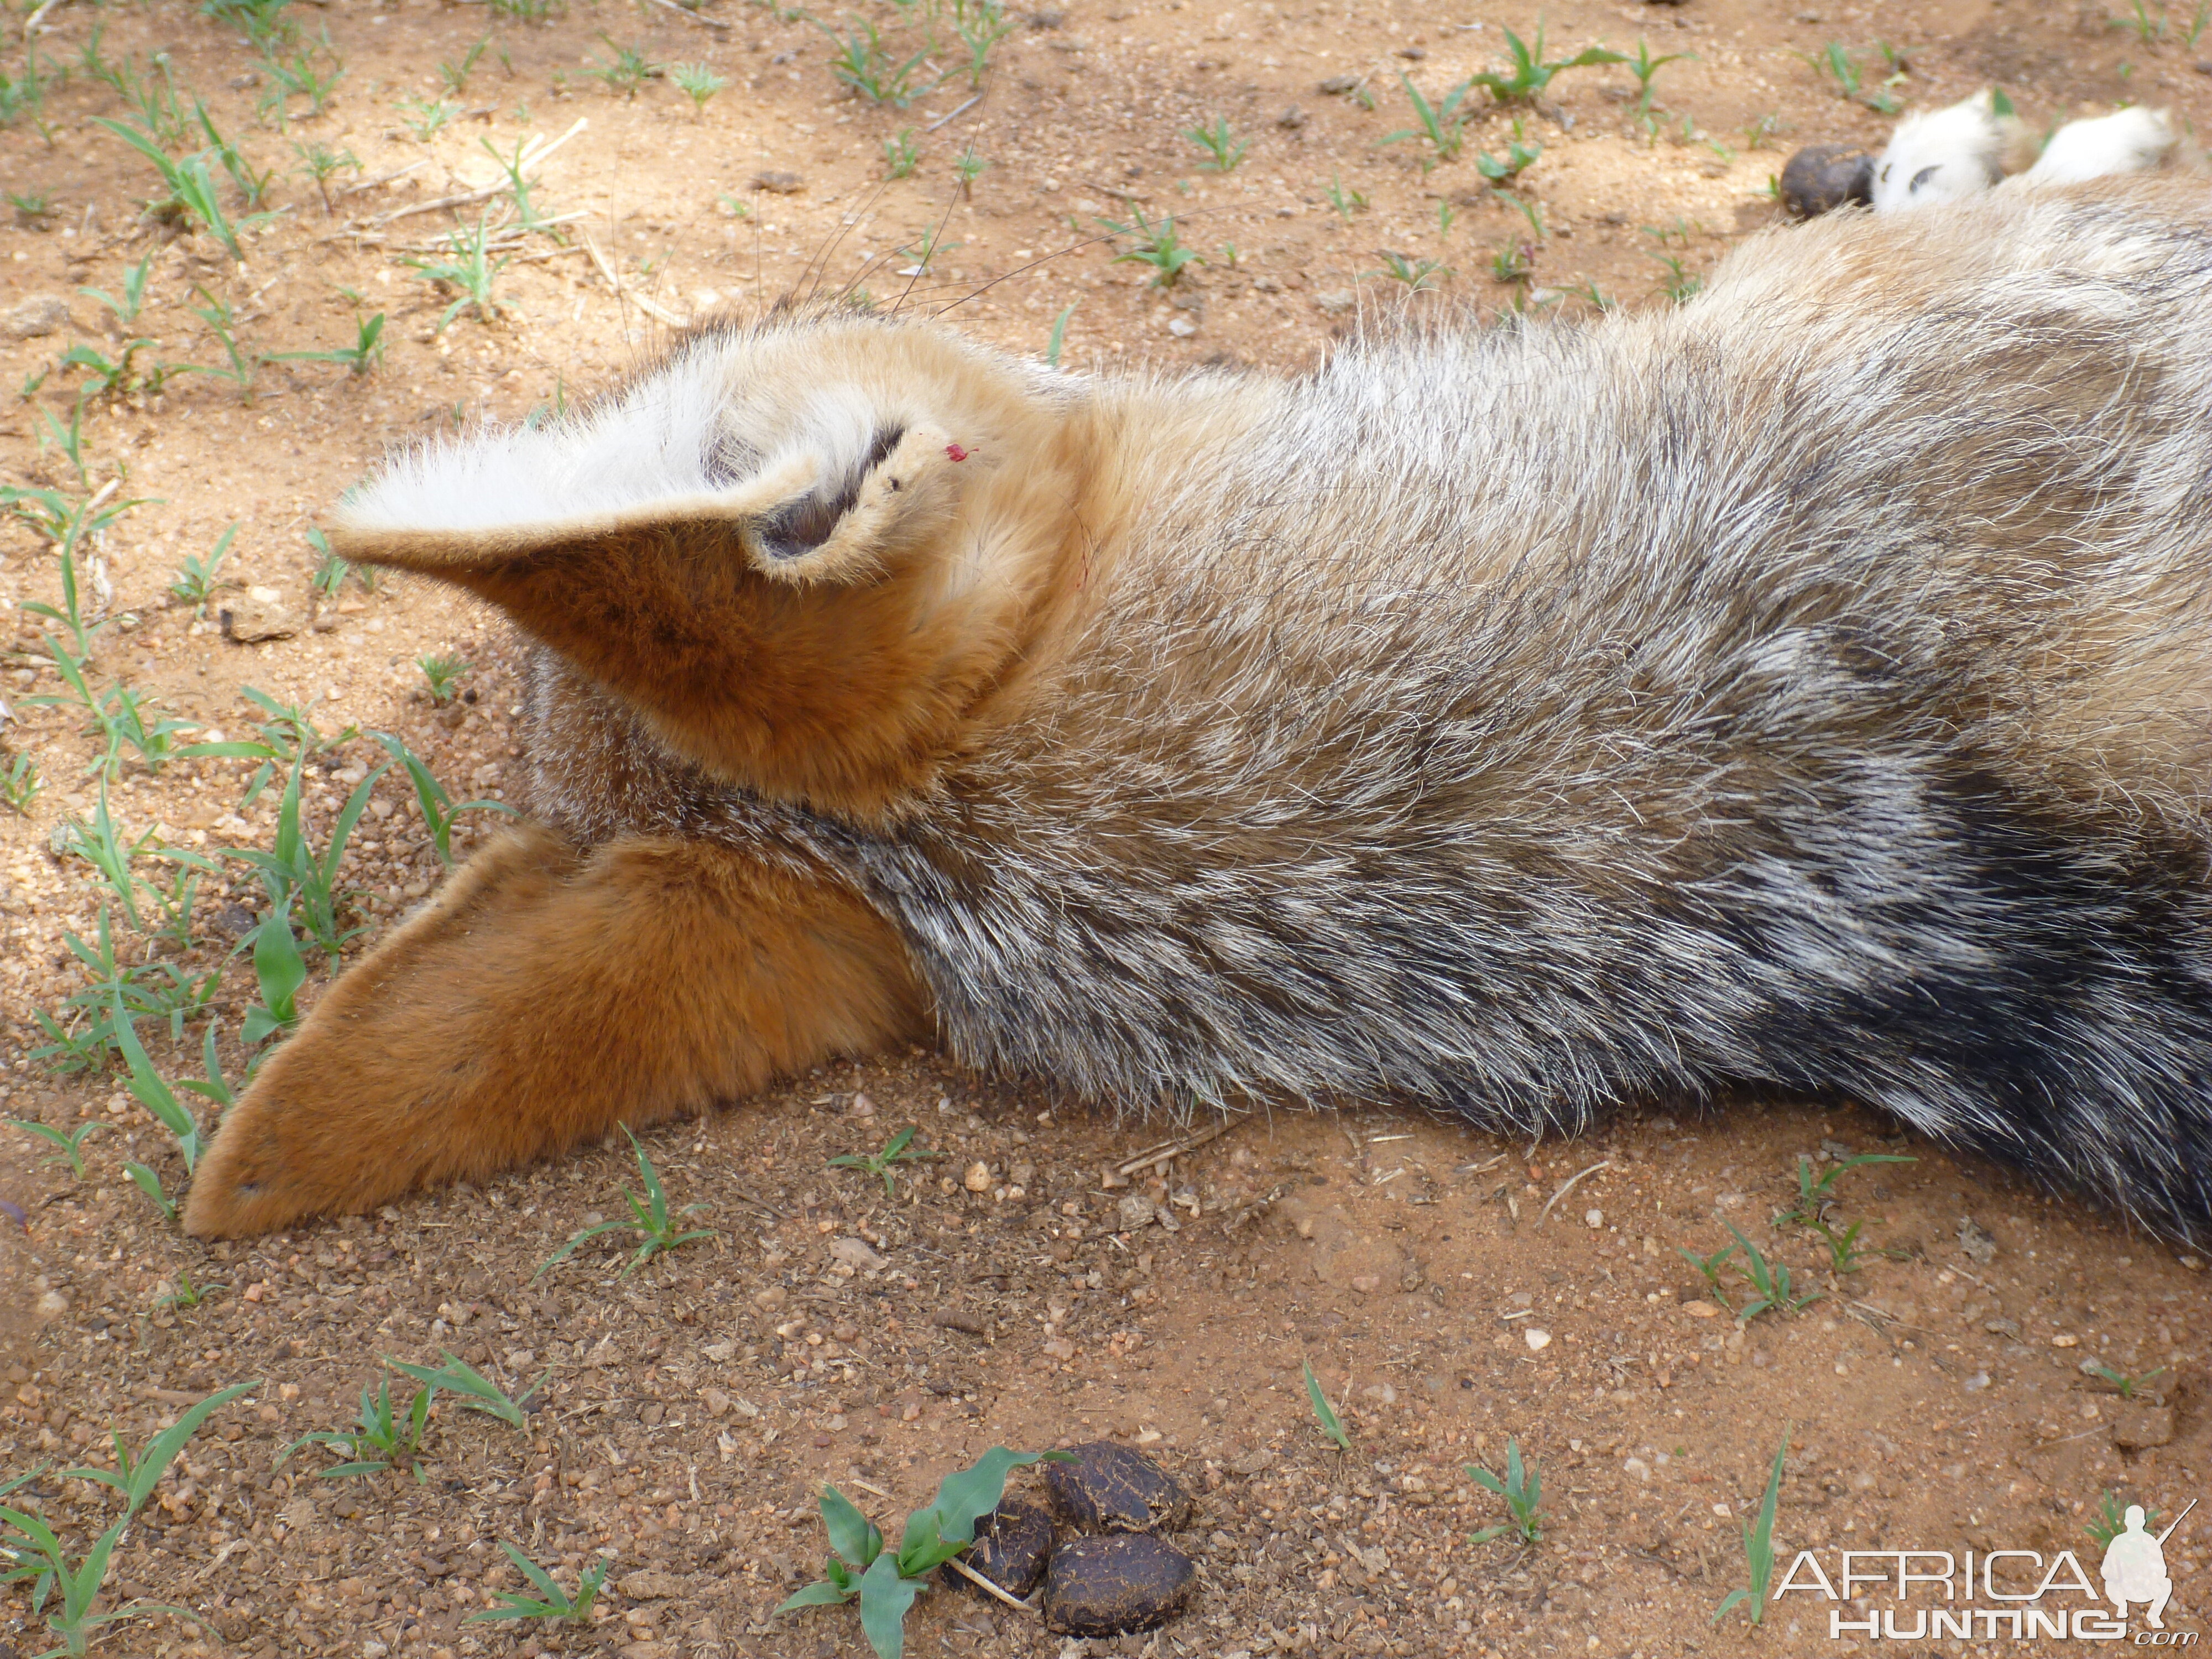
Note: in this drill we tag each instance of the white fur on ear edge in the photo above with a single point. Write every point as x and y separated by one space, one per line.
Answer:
2128 141
645 449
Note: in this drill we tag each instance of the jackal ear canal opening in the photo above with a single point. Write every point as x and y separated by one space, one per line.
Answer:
852 527
802 526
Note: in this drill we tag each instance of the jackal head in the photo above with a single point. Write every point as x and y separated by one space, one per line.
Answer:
803 551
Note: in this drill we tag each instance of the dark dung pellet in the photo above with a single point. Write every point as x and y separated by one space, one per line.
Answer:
1820 178
1109 1586
1011 1546
1110 1488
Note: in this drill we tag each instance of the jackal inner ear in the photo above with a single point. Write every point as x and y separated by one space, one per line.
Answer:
854 525
801 527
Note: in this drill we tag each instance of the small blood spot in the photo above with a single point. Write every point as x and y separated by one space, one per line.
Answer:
955 452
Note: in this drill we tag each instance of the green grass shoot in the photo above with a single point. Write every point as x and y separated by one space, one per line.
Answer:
886 1581
1324 1413
69 1142
382 1439
650 1219
551 1601
899 1149
1522 1489
474 1390
1758 1546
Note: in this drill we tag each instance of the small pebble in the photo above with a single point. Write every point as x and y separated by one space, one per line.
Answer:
233 921
1111 1586
978 1179
1111 1487
2139 1426
1976 1242
1538 1340
1821 178
260 613
35 318
781 183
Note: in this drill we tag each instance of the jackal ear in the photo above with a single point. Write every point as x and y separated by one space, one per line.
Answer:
805 517
768 628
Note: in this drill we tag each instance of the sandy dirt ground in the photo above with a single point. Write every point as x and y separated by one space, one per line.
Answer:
1991 1369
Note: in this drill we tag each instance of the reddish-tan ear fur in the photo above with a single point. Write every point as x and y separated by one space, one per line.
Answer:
824 630
546 997
843 697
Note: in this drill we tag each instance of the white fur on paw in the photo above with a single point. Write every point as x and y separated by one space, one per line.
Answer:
1942 156
2130 140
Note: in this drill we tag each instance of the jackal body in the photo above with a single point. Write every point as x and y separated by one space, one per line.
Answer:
1808 688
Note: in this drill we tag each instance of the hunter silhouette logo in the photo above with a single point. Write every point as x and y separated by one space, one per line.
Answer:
2135 1566
2022 1594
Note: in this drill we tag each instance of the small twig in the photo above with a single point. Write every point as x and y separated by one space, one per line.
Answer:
1571 1182
542 255
1112 190
530 157
651 309
1874 1319
1890 1319
223 1555
468 198
977 1579
933 125
1168 1151
703 21
751 1198
385 177
509 236
1478 1169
